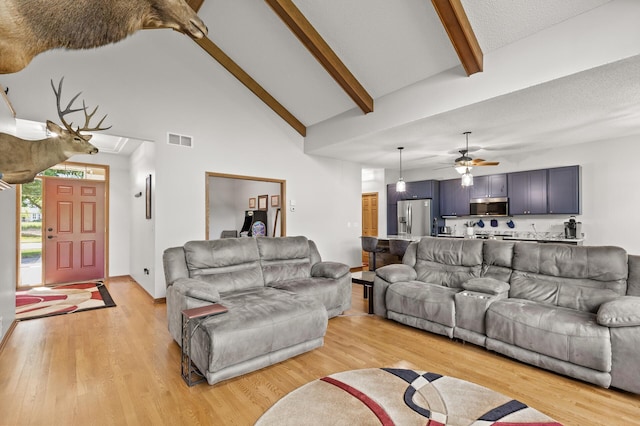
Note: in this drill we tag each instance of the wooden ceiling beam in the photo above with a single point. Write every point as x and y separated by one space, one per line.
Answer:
314 42
455 22
229 64
216 53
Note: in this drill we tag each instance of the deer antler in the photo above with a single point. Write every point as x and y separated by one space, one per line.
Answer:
88 118
69 110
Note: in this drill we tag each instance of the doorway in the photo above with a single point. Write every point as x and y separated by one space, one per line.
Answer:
32 224
229 198
369 220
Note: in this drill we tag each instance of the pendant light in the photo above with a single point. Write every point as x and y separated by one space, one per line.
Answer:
467 177
401 185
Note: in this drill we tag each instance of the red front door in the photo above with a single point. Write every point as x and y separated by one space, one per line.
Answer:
74 231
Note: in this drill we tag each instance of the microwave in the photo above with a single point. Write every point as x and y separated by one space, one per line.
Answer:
489 206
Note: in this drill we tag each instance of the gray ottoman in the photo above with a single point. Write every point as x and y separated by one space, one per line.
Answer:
263 326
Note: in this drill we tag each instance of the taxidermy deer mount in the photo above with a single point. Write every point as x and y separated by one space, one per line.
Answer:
30 27
21 160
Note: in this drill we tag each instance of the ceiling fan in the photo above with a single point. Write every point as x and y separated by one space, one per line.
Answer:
465 161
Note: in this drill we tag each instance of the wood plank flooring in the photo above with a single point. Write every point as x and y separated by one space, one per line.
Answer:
119 366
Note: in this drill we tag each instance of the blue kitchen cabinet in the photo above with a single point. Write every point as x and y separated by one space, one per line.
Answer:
491 186
419 190
527 192
563 191
454 198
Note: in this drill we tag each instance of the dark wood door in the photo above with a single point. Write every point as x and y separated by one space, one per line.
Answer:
74 236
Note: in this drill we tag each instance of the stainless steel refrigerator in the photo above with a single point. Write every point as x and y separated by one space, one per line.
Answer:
414 218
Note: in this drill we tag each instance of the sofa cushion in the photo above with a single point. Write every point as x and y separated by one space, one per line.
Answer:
486 285
565 334
329 291
496 259
229 264
259 321
577 277
284 258
431 302
448 261
622 312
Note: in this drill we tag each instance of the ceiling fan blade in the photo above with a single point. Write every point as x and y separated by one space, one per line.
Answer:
487 163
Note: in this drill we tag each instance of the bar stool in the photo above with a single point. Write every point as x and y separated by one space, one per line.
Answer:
370 245
398 247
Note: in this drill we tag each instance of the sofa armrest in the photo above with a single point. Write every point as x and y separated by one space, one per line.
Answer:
397 272
621 312
196 289
329 270
486 285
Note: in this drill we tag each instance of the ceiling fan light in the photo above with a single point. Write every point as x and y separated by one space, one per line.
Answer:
462 169
467 178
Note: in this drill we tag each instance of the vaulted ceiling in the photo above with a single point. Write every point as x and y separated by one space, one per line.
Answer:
359 78
338 72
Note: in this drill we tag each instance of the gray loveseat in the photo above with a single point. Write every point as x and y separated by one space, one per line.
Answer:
574 310
279 295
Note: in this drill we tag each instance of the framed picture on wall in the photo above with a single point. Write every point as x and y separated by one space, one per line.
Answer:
252 203
148 197
275 200
262 202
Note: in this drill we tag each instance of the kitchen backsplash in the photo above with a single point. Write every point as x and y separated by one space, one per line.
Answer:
523 225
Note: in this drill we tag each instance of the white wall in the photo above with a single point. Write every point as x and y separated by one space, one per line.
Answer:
8 253
142 235
147 93
7 259
609 200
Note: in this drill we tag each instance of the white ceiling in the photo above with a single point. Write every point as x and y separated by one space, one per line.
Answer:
396 49
390 46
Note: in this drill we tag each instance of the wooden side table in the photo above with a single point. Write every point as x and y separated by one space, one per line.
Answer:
190 373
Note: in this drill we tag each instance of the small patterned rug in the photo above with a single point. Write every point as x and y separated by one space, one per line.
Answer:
41 302
388 396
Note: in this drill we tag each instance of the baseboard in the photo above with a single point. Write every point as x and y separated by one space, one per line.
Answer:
5 338
158 301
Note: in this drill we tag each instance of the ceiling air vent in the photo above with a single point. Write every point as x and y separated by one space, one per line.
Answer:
180 140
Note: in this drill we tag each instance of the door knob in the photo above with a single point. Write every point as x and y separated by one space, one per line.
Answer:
51 236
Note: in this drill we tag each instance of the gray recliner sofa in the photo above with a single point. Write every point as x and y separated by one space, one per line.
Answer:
574 310
278 291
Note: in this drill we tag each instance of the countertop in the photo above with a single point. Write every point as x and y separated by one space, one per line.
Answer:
538 239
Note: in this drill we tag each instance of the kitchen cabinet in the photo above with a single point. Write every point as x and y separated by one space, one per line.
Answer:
419 190
415 190
563 190
454 198
527 192
392 209
491 186
392 195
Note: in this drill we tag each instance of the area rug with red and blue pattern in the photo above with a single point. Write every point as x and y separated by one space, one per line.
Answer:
391 396
41 302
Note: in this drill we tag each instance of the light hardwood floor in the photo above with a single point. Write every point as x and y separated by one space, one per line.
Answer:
119 366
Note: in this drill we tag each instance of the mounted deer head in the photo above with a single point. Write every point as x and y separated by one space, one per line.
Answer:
30 27
21 160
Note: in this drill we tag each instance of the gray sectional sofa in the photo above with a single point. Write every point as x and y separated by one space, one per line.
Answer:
278 291
574 310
